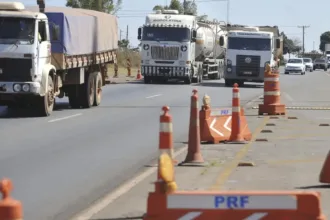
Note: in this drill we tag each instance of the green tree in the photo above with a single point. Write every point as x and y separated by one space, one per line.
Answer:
176 5
191 6
123 43
324 39
290 45
107 6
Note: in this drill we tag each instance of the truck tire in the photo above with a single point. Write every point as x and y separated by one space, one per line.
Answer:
87 92
187 80
228 83
147 79
45 104
98 89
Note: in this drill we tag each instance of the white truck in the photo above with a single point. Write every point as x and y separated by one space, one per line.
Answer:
327 53
175 46
249 49
54 52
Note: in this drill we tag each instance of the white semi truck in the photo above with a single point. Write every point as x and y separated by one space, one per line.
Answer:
54 52
175 46
249 49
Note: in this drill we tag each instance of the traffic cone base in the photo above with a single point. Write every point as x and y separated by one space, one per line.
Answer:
325 172
273 109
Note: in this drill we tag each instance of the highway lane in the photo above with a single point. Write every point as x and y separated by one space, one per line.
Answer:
61 164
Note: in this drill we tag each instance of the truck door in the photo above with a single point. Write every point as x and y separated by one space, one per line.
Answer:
44 53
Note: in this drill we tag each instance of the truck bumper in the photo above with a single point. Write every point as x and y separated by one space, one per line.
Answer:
242 76
165 71
8 88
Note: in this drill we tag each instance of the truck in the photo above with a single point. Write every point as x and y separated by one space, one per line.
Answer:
248 51
176 46
327 53
54 53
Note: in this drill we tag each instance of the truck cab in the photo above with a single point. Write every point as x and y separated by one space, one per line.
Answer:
248 53
168 46
25 54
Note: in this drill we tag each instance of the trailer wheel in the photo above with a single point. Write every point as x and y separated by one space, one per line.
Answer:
45 104
98 89
87 92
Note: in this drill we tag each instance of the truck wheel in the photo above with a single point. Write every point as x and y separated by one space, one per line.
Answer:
98 89
187 80
87 92
46 103
147 79
228 83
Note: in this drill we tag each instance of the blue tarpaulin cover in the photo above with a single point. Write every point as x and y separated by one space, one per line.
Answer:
82 31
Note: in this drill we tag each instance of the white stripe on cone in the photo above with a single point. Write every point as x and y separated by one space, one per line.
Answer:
256 216
190 216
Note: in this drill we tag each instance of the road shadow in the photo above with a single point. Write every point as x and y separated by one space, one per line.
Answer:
28 112
314 187
221 84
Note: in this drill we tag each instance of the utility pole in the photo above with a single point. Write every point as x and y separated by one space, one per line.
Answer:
184 6
303 36
120 34
127 32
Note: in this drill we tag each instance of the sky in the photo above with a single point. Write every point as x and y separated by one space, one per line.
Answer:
287 14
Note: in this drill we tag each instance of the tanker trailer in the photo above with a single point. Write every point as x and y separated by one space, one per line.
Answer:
208 51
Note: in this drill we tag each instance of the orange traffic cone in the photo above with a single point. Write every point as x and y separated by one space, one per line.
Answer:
236 136
138 75
10 209
325 172
194 156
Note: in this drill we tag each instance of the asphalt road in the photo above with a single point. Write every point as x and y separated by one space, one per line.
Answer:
62 163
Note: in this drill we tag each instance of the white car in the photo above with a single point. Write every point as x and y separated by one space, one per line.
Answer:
295 65
309 64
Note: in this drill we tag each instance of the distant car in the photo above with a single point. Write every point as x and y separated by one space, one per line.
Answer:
309 64
295 65
320 63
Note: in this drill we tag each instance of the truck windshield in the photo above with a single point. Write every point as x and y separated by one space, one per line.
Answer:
16 30
239 43
166 34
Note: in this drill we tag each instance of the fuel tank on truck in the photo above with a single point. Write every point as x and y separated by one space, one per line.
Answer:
207 41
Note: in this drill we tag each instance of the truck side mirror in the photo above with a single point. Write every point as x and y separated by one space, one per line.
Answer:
221 41
139 34
194 36
278 43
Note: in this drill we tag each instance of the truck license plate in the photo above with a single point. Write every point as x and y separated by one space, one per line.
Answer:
247 73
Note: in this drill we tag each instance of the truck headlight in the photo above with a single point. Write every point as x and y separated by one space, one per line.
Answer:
26 87
228 69
229 62
17 87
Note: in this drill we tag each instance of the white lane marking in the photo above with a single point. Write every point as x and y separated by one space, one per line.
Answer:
215 130
288 97
227 123
256 216
153 96
190 216
124 188
64 118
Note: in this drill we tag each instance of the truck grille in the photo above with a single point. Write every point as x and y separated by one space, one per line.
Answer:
15 70
164 53
244 68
